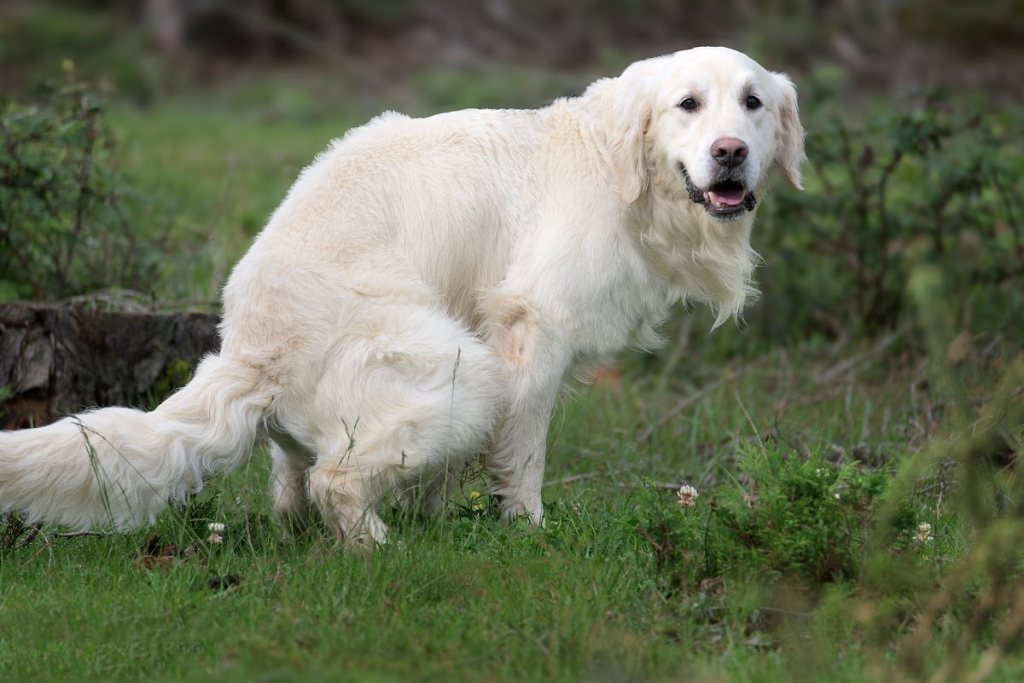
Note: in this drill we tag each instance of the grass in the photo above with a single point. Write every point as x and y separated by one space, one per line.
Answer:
619 585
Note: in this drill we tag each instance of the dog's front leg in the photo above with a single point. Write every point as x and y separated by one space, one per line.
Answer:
516 462
536 359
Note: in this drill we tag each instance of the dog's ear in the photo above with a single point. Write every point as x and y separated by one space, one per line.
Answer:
630 117
789 136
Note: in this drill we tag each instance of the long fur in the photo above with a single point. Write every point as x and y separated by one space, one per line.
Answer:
423 290
121 466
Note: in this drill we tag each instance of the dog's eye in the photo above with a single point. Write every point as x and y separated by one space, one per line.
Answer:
688 104
752 102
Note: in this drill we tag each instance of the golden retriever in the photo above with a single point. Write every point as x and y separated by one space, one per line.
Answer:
425 287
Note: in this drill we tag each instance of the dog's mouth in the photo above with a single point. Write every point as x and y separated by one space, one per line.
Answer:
725 198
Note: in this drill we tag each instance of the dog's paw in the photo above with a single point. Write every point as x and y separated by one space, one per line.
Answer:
513 509
364 539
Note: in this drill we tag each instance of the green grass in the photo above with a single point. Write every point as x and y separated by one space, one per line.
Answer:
213 165
621 584
219 172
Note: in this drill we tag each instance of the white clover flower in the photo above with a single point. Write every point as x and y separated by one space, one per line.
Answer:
216 536
687 496
924 533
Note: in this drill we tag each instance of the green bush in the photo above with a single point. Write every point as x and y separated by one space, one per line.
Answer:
786 514
936 184
67 223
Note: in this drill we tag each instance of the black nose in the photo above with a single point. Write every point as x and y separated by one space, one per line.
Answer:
729 152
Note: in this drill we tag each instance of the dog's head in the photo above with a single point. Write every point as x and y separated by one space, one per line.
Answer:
703 125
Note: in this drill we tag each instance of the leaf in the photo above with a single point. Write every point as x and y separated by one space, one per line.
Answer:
960 348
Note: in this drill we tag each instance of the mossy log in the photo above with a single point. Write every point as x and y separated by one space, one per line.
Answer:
57 361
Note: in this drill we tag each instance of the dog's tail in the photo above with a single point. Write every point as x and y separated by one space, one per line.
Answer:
121 466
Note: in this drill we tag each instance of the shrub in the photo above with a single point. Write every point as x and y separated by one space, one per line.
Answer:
786 514
931 185
66 215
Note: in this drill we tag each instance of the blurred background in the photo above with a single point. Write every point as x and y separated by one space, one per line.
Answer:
134 44
146 141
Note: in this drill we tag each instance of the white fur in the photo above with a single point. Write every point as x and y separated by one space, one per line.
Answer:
423 290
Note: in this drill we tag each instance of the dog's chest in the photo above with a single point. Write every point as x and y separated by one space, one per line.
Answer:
618 307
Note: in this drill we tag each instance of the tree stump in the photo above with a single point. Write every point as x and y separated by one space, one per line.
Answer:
57 361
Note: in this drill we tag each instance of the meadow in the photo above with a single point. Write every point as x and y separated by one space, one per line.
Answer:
852 444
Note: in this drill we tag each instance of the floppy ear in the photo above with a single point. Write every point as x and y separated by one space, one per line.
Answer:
789 137
630 117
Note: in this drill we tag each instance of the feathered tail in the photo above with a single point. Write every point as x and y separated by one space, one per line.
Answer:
121 466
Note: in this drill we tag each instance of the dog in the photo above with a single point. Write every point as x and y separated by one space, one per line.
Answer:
425 287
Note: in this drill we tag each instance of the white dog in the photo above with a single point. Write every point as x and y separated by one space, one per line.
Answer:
426 285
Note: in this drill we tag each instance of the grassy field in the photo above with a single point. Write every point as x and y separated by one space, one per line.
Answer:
859 504
801 558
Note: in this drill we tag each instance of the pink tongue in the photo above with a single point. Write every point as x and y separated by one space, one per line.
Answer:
727 197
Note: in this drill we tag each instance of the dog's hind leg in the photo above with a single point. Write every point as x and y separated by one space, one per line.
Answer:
429 493
290 462
345 496
437 490
406 394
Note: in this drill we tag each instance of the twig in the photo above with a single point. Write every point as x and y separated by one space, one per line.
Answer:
688 401
853 361
668 485
585 476
15 533
787 612
79 534
682 342
574 478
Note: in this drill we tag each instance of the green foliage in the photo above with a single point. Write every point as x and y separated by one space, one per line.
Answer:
176 374
67 222
803 515
785 514
937 183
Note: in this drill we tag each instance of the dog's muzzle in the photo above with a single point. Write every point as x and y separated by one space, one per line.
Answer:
727 197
